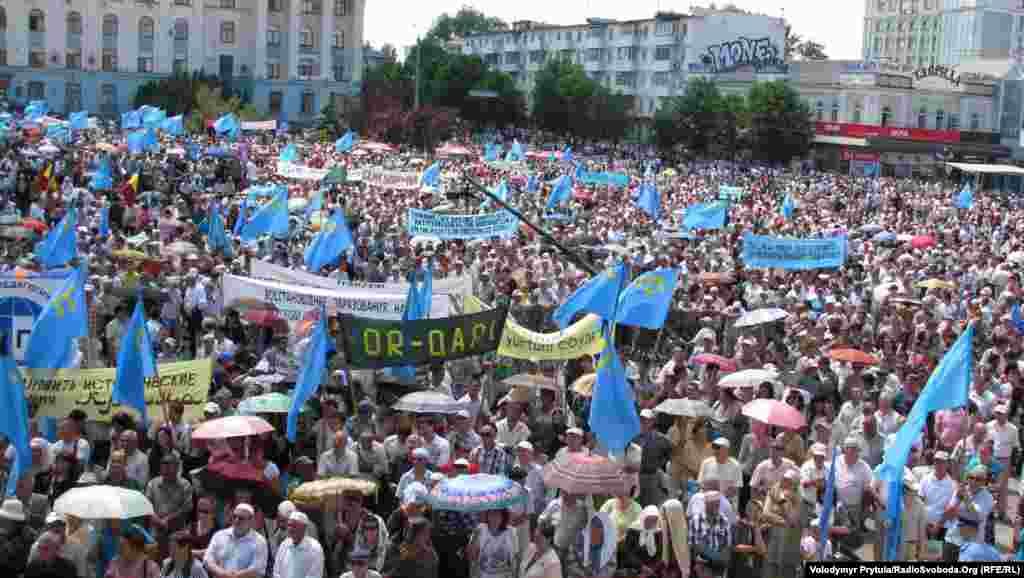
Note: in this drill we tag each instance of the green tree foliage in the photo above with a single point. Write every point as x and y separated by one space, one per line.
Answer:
567 101
796 45
780 122
327 121
196 95
210 104
465 22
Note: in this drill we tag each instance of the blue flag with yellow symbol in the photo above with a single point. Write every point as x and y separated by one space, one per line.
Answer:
14 418
599 295
64 318
613 417
788 206
333 239
135 363
646 301
417 306
131 119
825 521
650 201
314 362
271 219
561 193
60 244
345 143
705 216
217 237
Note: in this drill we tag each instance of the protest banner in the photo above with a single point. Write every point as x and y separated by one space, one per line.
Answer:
579 339
23 295
392 179
297 303
373 343
452 226
89 390
793 254
603 178
301 172
259 125
460 286
730 193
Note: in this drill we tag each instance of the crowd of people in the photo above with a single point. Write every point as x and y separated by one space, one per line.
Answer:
706 495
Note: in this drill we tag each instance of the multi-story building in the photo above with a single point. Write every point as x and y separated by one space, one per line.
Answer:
917 33
647 59
288 56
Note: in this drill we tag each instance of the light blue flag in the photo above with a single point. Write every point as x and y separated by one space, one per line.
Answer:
152 143
567 154
174 125
137 142
432 176
314 362
825 521
36 110
51 345
59 132
79 120
599 295
103 178
104 231
135 363
516 154
14 418
613 416
788 206
290 154
131 119
561 193
491 152
501 191
705 216
217 238
60 244
316 204
329 244
532 184
417 306
227 125
650 201
153 117
965 198
646 301
345 143
240 221
270 219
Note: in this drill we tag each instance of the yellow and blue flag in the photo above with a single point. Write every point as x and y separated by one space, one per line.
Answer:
50 345
705 215
135 363
290 154
788 206
613 417
314 362
432 176
79 120
328 245
60 244
271 219
646 301
345 143
14 418
650 201
561 193
599 296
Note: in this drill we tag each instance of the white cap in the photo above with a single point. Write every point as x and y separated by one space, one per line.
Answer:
722 441
298 516
285 509
574 431
647 414
524 445
244 509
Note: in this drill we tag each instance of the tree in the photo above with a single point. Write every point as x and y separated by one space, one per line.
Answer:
781 126
466 21
560 92
390 52
176 94
701 119
793 40
811 50
328 121
210 104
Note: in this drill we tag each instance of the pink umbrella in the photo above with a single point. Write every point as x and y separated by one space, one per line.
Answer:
922 241
775 412
234 426
723 364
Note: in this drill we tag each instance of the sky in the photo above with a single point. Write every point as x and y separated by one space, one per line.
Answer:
837 25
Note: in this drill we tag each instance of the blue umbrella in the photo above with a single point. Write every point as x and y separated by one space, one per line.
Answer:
884 237
870 229
217 152
476 493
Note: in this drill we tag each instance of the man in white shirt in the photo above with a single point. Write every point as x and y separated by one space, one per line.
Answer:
853 480
512 429
300 556
812 476
771 470
238 551
1006 439
338 461
136 460
439 448
725 469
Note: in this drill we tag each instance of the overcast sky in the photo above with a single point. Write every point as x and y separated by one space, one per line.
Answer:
837 25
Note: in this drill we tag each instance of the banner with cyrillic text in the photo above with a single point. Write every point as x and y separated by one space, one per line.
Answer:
89 390
603 178
23 295
761 252
372 343
579 339
392 179
460 286
300 172
453 226
297 303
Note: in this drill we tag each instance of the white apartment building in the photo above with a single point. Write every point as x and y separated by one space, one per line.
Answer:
288 56
648 59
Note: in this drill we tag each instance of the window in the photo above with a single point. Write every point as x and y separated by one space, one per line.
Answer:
74 23
180 65
110 25
274 70
536 57
146 64
273 37
182 2
227 32
491 59
975 121
275 5
886 116
73 59
593 54
835 111
660 78
340 7
512 58
922 118
954 121
108 99
229 4
37 59
109 60
339 72
627 79
181 29
147 33
339 39
72 97
819 111
306 38
307 105
3 18
663 53
275 103
305 69
36 90
940 118
311 6
36 21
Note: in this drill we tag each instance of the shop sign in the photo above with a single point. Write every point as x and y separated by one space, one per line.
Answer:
873 131
937 71
848 154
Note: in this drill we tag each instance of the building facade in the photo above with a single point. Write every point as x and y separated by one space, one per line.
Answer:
289 57
649 59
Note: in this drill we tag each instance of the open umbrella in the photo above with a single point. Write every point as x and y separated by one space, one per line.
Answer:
774 412
181 248
723 363
103 503
761 317
232 427
225 478
684 408
884 237
586 474
476 493
922 241
935 284
319 491
853 356
870 229
709 278
428 402
34 224
531 381
130 254
267 403
748 378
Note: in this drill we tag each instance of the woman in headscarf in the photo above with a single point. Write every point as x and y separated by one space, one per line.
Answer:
675 557
593 555
644 544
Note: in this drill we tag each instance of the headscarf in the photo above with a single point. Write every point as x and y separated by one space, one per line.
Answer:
608 544
648 539
675 520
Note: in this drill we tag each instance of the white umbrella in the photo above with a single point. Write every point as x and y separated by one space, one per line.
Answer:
748 378
761 316
103 503
49 149
424 239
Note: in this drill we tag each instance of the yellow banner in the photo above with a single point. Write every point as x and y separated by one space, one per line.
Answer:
579 339
89 390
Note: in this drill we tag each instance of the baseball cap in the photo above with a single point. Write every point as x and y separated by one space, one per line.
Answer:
722 442
647 414
524 445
